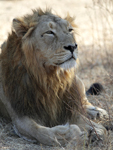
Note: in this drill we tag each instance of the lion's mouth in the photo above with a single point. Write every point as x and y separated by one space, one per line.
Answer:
66 60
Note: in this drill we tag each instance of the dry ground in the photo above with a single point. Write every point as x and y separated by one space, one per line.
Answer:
94 19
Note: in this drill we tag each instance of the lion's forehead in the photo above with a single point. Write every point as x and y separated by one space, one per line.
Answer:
55 20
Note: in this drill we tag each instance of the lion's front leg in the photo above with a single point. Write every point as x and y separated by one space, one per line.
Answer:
91 111
58 135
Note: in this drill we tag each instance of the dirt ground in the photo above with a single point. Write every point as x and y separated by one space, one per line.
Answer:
95 28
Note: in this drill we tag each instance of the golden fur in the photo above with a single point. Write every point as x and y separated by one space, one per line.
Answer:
41 89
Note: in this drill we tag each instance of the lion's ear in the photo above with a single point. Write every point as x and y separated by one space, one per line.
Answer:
19 27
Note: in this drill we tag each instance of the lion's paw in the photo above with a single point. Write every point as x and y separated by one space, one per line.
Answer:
96 136
96 113
66 133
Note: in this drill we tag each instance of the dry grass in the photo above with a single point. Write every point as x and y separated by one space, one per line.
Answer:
97 58
96 62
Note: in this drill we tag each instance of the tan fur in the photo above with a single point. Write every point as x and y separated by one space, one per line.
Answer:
39 86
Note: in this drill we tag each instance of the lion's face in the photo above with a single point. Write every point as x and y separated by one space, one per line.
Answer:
53 41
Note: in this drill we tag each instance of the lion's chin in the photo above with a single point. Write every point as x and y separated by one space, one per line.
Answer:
68 64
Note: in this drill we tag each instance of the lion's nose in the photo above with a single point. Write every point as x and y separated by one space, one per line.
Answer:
71 48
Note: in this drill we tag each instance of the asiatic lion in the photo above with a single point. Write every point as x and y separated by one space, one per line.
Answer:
39 86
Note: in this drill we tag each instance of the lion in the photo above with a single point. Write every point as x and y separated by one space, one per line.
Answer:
40 90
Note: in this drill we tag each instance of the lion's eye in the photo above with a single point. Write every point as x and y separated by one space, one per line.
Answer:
70 30
50 32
